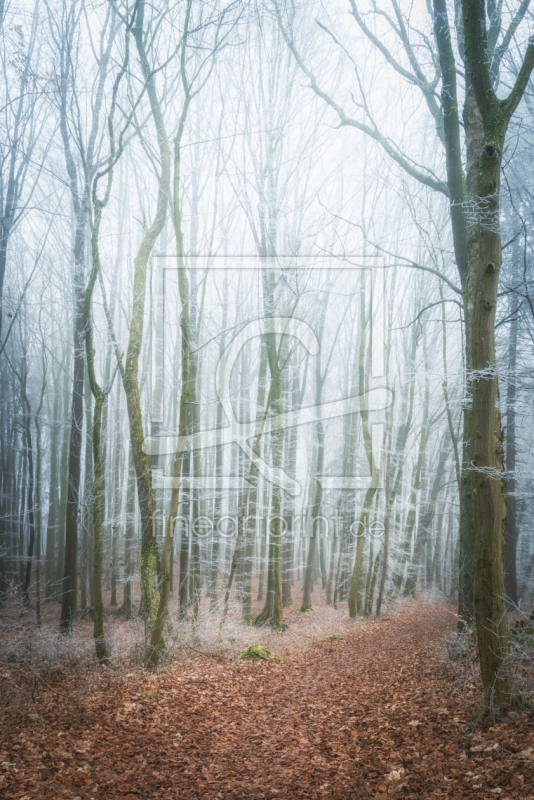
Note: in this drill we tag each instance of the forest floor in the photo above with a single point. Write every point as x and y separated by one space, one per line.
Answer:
374 712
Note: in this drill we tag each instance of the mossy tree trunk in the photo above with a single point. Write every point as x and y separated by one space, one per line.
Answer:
474 212
487 119
130 375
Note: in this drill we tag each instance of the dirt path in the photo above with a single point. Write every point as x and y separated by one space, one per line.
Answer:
370 716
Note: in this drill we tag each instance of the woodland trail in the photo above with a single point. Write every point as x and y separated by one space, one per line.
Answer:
372 716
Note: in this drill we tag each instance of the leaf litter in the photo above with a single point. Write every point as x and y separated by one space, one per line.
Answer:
370 715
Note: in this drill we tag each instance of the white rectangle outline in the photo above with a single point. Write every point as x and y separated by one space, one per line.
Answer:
378 323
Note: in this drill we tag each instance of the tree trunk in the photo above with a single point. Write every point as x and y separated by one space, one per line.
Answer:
87 514
55 457
510 580
145 495
70 571
315 523
484 152
129 533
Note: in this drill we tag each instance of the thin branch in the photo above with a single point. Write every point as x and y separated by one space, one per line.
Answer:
373 133
430 305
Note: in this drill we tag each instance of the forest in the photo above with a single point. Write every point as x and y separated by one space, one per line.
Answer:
266 320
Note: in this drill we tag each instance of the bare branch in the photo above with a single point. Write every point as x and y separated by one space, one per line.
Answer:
373 133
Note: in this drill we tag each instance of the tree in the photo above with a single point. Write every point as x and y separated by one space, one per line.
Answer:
80 162
100 396
487 119
473 195
23 130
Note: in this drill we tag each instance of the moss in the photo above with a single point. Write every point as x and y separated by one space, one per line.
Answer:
280 627
257 651
278 657
148 569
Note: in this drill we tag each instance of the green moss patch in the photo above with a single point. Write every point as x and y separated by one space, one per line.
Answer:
257 651
334 637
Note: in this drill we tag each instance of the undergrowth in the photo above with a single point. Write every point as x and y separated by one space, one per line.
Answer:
461 656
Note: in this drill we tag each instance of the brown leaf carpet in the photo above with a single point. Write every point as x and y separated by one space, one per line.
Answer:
371 716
